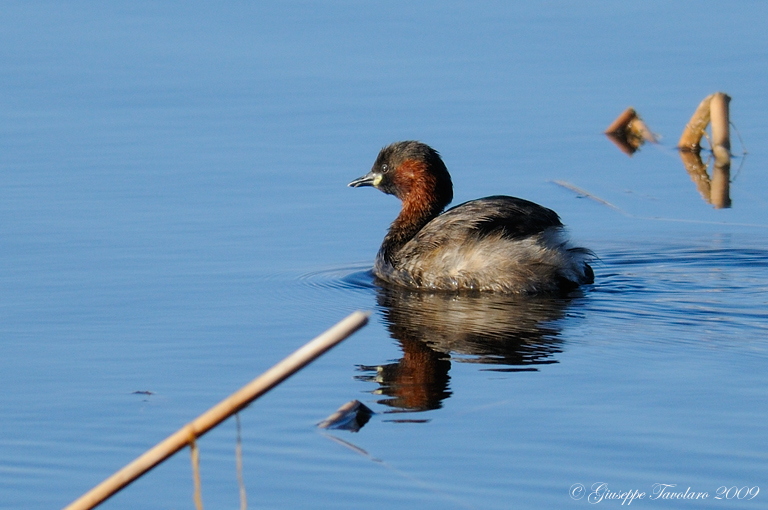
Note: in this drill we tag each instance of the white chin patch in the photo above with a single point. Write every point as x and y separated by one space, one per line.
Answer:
377 180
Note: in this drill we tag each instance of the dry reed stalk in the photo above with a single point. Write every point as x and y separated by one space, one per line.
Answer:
719 118
239 464
721 148
696 127
712 110
221 411
622 121
195 454
629 132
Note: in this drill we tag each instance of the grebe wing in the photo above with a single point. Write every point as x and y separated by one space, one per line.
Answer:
511 217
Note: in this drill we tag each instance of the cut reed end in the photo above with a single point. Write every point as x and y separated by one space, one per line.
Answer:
628 132
622 121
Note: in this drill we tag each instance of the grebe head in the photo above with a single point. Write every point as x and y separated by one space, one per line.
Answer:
413 172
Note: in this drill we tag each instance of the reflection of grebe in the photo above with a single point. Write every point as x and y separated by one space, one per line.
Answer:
498 243
485 328
512 333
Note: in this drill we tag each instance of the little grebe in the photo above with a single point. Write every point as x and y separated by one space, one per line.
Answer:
497 243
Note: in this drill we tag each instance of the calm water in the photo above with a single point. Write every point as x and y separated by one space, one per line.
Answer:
175 219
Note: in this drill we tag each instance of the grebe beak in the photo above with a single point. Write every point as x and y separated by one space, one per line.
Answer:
369 179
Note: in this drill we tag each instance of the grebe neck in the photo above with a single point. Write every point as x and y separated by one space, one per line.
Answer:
405 227
424 197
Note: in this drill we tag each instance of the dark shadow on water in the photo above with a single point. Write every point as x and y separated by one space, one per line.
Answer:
510 333
360 279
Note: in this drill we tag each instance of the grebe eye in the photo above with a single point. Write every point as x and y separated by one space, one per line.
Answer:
384 168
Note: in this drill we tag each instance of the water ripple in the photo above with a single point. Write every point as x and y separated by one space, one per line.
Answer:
357 277
689 289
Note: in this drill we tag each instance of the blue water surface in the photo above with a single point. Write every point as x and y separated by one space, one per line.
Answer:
174 219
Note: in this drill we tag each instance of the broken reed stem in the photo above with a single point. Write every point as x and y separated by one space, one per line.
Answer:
629 132
221 411
195 454
721 147
696 127
239 464
622 121
712 110
639 127
629 124
719 118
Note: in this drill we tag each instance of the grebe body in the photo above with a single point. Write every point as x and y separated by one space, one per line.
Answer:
497 243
